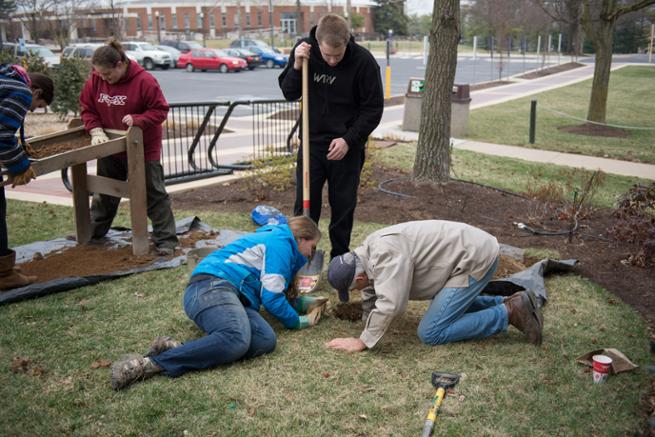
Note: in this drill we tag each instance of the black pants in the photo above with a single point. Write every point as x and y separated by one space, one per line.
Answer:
342 178
104 207
4 239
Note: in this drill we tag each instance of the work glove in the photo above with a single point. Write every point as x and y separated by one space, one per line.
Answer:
304 304
24 178
98 136
311 319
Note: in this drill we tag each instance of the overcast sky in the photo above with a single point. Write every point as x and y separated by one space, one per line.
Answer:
419 7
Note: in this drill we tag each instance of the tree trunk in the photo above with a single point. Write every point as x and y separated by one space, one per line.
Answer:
432 162
602 40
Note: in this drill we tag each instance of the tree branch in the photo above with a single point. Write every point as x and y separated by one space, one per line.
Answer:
622 10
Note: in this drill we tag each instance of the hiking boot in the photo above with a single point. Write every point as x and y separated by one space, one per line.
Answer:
524 315
161 344
131 369
165 251
10 276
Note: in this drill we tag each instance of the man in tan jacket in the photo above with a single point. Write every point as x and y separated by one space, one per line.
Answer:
446 262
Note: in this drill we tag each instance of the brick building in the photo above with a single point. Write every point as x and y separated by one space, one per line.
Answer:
152 20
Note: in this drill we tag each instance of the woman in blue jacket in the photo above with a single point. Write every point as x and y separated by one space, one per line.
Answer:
223 299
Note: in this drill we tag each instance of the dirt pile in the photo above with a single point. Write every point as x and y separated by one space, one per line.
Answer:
48 150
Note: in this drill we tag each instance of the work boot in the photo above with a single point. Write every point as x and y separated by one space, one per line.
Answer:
9 276
524 315
131 369
161 344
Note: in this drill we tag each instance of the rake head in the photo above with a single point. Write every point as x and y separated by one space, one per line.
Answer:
444 380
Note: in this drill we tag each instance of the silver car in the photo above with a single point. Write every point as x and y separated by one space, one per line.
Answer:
150 57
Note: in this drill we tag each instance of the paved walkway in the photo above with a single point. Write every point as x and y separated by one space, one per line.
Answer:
391 127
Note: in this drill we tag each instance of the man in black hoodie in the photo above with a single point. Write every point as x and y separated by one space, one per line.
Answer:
345 106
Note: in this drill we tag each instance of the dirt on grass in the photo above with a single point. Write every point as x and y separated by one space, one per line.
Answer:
601 258
97 259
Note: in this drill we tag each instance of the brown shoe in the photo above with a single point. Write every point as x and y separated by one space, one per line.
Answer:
131 369
10 277
524 314
161 344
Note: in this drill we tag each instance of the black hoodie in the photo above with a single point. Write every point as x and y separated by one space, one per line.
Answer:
345 101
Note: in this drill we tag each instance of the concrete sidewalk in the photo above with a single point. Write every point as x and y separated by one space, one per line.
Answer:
391 127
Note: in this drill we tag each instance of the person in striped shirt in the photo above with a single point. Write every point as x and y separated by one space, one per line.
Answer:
20 91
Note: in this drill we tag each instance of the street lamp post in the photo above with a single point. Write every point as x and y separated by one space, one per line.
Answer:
270 21
158 27
202 28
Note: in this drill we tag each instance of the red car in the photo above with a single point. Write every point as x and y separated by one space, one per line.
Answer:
208 59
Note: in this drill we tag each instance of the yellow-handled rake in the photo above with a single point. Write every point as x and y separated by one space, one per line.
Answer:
442 381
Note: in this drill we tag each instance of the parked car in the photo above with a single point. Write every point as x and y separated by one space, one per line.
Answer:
270 58
152 57
208 59
85 51
173 52
246 43
28 50
252 59
182 46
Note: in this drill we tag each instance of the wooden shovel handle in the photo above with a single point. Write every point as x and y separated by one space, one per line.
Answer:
305 137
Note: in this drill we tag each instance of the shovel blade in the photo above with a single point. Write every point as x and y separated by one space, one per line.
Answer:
309 275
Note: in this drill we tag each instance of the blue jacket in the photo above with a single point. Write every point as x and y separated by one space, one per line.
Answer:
261 266
15 100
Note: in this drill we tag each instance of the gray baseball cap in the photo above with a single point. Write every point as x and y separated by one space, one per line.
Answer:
341 273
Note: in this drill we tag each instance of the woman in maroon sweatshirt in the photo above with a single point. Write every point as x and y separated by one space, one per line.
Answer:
117 95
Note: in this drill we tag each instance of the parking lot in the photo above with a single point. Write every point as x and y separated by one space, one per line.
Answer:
182 86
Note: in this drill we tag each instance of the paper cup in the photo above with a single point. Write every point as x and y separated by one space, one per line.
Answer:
602 364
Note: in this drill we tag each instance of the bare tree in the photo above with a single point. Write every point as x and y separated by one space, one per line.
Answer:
65 15
569 14
36 10
504 20
432 163
115 22
598 21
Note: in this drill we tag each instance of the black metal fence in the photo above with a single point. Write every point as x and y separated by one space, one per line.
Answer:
207 139
212 138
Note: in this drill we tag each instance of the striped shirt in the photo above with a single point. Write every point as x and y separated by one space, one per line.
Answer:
15 100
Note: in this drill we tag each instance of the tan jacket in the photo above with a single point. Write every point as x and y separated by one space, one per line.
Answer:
414 261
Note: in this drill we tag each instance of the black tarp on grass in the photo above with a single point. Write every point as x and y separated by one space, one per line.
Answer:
117 237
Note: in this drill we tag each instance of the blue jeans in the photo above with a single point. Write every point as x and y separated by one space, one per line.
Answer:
234 332
457 314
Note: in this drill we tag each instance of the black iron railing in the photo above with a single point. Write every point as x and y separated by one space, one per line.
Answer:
206 139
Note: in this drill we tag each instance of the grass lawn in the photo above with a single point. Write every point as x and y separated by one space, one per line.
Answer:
508 387
630 103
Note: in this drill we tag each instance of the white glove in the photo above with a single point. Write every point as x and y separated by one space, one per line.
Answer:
98 136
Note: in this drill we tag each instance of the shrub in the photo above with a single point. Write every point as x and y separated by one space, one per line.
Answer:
276 173
69 80
636 224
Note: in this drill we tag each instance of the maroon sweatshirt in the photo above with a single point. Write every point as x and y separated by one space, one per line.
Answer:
137 94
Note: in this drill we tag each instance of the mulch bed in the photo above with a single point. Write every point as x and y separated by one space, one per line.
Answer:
551 70
595 130
600 258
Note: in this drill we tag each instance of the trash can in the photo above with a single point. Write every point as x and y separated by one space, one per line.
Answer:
459 110
460 107
413 98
